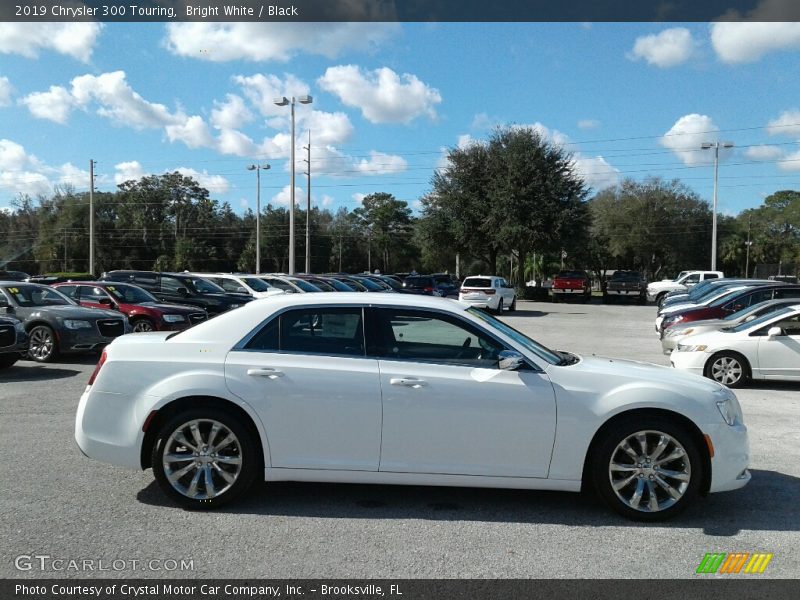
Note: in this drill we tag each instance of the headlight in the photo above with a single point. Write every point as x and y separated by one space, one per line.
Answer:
19 327
671 320
730 410
685 348
174 318
75 324
232 306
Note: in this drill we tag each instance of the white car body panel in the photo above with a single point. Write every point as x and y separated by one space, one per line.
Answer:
324 417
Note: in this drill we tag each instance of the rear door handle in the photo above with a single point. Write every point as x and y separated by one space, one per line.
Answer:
271 373
408 382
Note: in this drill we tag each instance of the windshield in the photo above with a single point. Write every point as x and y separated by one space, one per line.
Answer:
519 337
130 293
701 288
762 319
724 297
714 292
305 286
27 296
256 284
204 286
369 284
339 286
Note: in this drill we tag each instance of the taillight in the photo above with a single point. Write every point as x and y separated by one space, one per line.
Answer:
488 292
428 290
97 368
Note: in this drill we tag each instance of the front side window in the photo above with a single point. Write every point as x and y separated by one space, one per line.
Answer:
422 336
69 290
692 278
90 293
325 331
28 296
712 276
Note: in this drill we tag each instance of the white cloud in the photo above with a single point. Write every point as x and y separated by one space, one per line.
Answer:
327 201
791 162
192 131
763 152
669 48
325 127
551 135
235 142
686 136
244 203
261 90
464 141
69 174
23 173
220 42
54 105
788 123
127 171
483 121
596 171
382 95
358 197
119 102
231 114
216 184
283 198
746 42
5 91
588 124
73 39
381 164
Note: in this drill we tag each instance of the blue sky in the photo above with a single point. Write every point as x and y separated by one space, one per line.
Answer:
629 100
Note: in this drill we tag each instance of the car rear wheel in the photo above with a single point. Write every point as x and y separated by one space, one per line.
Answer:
7 360
42 344
204 458
143 324
660 299
648 469
513 306
728 368
499 309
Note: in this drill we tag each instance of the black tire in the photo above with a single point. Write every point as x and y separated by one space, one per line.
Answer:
245 448
142 324
513 306
7 360
642 300
42 344
556 299
499 309
606 299
653 427
724 366
660 299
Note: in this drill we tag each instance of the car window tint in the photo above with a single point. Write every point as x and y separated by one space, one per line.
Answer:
229 285
143 278
791 325
280 284
267 338
787 293
171 284
692 278
323 331
477 282
69 290
422 336
90 293
712 276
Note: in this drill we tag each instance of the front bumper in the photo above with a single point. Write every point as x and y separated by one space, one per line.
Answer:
83 340
729 466
694 362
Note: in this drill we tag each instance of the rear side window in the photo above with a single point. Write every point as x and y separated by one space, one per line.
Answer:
90 293
712 276
477 282
787 293
69 290
324 331
144 279
280 284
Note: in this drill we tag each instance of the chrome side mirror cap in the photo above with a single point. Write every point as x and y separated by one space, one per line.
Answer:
508 360
774 332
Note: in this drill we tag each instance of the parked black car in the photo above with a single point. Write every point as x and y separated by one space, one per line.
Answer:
13 341
182 288
56 324
13 276
428 285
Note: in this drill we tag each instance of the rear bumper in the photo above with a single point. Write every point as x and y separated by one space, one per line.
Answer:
569 291
490 303
625 293
105 433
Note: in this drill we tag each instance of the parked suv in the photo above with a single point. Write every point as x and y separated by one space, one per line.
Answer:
181 288
630 285
658 290
492 292
142 308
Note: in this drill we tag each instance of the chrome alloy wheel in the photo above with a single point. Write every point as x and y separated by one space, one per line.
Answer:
727 370
649 471
142 325
202 459
41 343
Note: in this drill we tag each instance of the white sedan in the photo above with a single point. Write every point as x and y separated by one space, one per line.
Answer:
403 389
765 348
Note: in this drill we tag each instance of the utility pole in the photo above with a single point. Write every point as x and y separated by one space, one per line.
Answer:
748 243
369 250
716 146
458 265
308 205
65 249
91 216
340 252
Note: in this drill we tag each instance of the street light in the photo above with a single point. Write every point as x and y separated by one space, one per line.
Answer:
258 169
284 101
716 146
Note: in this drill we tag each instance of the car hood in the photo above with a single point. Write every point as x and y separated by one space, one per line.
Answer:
74 312
610 374
705 323
180 309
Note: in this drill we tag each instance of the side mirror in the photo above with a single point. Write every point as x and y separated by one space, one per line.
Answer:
775 332
182 291
106 301
508 360
241 290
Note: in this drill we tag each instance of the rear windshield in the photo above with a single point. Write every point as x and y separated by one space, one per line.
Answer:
626 276
572 274
477 282
416 282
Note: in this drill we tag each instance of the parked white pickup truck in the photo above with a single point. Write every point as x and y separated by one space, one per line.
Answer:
657 290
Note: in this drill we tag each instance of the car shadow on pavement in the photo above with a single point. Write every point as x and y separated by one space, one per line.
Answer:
31 371
780 386
724 514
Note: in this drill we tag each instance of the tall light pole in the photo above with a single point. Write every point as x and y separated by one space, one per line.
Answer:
258 169
716 146
284 101
308 206
91 217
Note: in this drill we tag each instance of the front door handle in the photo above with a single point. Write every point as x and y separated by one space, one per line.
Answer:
408 382
271 373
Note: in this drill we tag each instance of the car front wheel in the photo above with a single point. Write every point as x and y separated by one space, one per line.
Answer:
728 368
143 325
42 345
648 469
204 458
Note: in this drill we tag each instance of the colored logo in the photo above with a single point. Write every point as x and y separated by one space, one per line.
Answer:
738 562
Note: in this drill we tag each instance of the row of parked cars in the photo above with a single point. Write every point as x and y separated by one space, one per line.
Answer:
731 330
63 317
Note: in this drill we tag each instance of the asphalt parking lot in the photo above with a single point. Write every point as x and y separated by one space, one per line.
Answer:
57 503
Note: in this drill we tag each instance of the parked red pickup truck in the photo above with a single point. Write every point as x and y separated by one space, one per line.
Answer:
571 284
